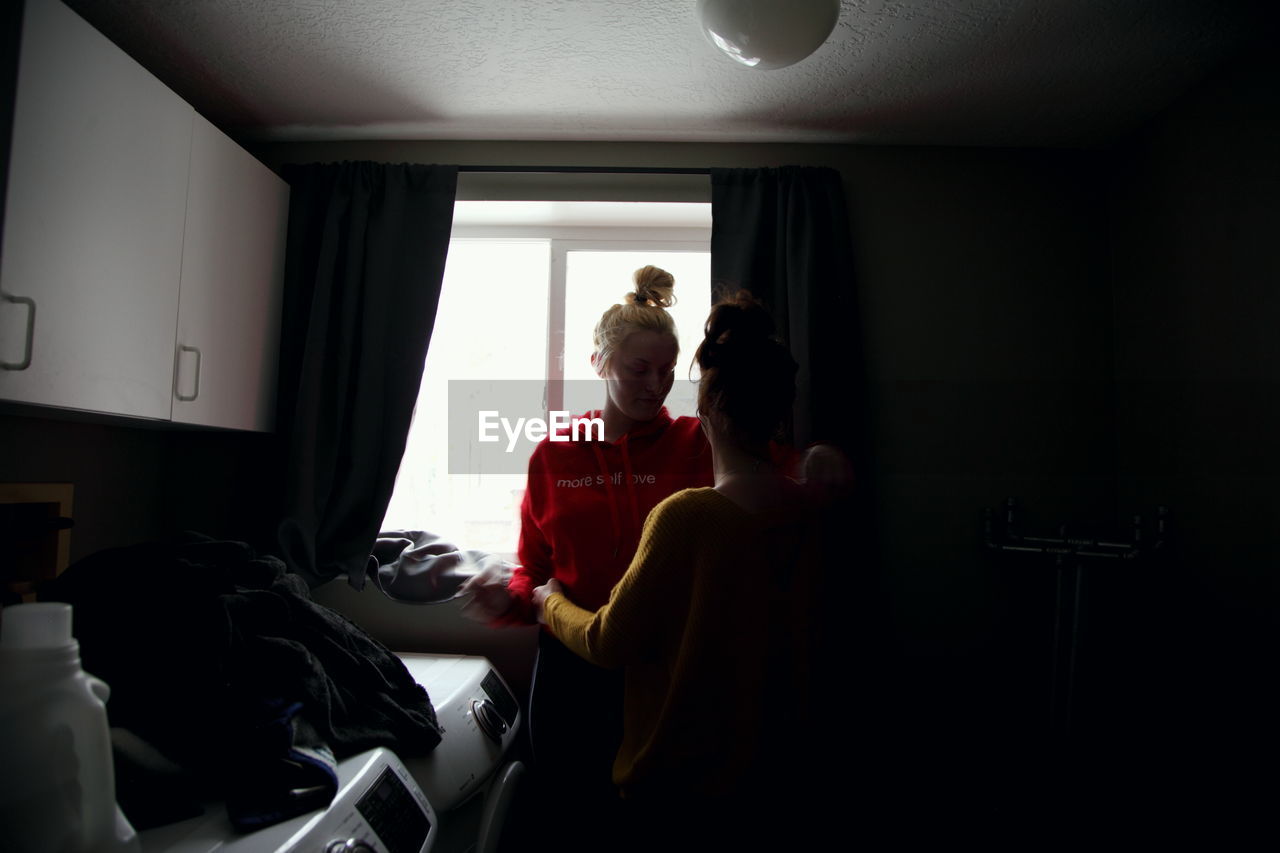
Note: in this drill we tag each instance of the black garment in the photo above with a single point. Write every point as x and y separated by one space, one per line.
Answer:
575 727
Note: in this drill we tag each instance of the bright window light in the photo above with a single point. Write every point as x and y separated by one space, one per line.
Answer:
491 322
524 285
594 280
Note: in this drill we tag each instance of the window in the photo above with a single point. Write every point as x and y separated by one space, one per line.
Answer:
524 284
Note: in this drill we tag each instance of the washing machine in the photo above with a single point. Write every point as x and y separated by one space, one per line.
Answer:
456 799
468 777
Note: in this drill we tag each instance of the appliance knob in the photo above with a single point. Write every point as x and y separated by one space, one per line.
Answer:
351 845
491 722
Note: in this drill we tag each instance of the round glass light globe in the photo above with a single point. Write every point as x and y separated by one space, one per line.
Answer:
767 34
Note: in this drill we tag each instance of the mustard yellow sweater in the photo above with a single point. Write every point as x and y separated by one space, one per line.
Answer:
712 621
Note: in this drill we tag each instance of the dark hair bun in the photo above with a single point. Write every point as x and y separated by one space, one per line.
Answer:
739 325
748 375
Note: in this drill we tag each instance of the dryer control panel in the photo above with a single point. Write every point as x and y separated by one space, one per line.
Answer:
378 809
391 812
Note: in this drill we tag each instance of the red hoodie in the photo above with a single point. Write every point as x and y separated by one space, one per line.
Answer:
586 501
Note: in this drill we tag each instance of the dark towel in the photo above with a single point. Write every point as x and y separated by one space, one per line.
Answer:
196 638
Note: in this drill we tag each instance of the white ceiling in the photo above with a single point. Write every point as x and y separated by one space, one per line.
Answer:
954 72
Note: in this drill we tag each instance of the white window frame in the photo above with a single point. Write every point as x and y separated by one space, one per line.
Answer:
564 239
635 234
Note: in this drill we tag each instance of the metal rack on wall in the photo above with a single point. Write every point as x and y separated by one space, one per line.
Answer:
1070 554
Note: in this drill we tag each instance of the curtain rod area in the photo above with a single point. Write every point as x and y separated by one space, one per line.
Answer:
588 170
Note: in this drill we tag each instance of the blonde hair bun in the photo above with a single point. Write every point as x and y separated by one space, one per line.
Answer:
642 309
654 287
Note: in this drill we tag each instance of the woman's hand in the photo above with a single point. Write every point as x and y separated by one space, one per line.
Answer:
540 594
487 588
827 472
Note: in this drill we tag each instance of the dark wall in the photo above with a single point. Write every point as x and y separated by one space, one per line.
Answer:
136 483
118 474
987 318
1196 205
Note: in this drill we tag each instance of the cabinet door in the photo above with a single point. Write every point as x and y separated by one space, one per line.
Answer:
93 223
232 270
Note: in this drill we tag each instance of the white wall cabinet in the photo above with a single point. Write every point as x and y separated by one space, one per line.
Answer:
142 249
228 332
93 223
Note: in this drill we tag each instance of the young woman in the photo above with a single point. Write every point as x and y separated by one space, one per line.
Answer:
714 622
581 518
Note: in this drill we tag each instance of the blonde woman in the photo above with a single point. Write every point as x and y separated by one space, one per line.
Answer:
581 518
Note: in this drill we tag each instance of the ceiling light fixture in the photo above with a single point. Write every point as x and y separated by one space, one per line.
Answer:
767 34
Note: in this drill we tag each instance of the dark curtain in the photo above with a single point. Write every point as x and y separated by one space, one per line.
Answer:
365 259
783 234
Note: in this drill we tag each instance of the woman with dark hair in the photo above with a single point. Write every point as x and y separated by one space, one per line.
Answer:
714 622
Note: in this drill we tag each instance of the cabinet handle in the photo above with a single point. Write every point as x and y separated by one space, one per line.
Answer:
31 331
176 376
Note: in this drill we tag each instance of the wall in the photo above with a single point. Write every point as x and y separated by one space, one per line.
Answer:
1195 204
117 472
136 482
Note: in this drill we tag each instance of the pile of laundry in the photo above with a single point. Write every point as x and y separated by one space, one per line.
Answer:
229 682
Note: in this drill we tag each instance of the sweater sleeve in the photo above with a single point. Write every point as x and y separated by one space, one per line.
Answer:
624 629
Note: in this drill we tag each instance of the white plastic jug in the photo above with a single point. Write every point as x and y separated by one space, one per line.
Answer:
57 783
